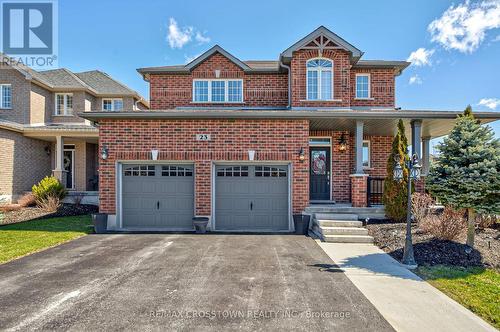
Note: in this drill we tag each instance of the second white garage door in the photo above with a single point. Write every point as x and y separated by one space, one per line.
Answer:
251 198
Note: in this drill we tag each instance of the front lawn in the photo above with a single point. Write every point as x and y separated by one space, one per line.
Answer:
17 240
475 288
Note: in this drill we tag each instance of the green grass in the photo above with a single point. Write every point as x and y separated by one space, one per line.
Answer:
476 288
24 238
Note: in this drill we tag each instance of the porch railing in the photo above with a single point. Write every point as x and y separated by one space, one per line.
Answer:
375 190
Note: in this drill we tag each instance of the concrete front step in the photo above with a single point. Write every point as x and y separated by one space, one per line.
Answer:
336 216
344 231
348 238
339 223
377 212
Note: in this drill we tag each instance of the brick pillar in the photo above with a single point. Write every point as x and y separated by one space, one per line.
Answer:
359 183
203 187
420 185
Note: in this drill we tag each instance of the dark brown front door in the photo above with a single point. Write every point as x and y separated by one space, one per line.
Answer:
319 182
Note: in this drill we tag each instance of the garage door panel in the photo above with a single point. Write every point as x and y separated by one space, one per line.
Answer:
158 196
256 201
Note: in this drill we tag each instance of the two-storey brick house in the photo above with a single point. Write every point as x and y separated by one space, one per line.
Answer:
250 143
40 131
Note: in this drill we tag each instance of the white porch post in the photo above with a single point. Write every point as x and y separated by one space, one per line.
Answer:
425 155
359 147
416 137
59 153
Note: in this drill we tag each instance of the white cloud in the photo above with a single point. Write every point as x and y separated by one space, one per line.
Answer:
463 27
200 38
421 57
415 79
491 103
178 37
496 39
188 58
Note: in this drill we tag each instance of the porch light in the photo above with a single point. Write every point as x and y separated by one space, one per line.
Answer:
302 155
154 154
47 150
104 152
416 168
398 170
342 143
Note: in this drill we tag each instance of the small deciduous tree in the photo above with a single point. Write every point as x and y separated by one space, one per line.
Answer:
466 174
395 195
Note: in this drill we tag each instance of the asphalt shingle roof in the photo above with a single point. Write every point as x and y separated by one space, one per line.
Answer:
104 84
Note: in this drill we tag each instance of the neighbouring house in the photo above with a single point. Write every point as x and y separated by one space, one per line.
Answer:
249 144
40 131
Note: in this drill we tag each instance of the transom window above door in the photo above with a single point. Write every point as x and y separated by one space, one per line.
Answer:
319 84
112 104
218 91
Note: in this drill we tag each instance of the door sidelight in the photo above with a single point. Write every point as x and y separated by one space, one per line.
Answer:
251 205
158 205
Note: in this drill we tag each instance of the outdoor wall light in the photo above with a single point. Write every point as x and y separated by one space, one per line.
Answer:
302 155
104 152
47 150
342 143
154 154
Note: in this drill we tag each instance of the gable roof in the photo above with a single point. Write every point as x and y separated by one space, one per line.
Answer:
212 51
286 55
104 84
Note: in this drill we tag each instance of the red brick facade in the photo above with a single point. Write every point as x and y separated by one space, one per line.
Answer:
273 140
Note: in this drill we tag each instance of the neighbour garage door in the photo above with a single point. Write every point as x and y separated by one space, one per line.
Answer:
158 196
251 198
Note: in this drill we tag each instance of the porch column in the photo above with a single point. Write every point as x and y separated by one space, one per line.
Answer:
416 137
426 155
359 147
59 153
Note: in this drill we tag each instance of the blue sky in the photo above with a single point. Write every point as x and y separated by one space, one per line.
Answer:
456 44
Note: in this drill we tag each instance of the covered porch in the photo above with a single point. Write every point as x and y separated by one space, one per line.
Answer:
74 158
349 151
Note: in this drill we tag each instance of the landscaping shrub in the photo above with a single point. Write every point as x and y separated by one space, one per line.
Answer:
77 199
49 193
420 206
10 207
450 225
27 200
50 204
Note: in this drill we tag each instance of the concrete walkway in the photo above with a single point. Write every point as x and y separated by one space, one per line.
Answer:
406 301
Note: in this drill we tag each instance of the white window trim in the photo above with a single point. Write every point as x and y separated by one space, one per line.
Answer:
112 103
1 96
369 87
369 154
319 81
65 108
226 91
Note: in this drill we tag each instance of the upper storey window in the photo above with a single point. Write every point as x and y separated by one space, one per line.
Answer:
319 79
5 96
64 104
218 91
112 104
362 86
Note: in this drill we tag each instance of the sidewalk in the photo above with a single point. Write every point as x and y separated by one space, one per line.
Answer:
406 301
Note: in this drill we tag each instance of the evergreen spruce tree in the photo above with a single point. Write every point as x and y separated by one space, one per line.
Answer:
466 174
395 192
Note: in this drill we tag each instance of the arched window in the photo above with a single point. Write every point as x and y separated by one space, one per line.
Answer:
319 79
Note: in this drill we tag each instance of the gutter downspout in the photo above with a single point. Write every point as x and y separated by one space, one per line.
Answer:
289 83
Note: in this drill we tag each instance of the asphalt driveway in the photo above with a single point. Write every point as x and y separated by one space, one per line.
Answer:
183 282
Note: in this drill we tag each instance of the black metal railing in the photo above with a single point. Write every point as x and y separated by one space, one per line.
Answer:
375 190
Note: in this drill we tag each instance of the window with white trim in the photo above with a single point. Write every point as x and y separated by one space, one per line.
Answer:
218 91
366 154
64 104
112 104
362 86
5 96
319 79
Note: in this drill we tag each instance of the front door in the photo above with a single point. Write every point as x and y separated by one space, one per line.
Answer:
69 156
319 182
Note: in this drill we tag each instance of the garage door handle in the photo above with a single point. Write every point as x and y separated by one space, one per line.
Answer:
251 205
158 205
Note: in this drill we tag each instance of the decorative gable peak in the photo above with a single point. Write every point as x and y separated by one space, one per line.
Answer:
322 39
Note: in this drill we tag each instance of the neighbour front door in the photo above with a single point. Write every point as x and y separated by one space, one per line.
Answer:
69 157
319 182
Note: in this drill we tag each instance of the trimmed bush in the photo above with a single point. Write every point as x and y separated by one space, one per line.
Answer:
48 193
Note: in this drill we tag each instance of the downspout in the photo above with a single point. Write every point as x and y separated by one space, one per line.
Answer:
289 83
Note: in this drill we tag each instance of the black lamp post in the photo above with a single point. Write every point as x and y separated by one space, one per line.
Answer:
414 174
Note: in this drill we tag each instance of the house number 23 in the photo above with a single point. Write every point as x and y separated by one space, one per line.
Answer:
203 137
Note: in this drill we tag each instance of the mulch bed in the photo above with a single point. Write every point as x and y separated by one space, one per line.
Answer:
32 213
428 250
